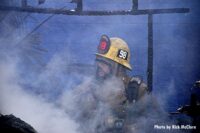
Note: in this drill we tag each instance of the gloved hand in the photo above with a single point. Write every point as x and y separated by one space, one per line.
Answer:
133 88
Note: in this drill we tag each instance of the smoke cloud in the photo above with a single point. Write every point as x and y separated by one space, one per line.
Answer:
44 116
52 101
66 113
24 85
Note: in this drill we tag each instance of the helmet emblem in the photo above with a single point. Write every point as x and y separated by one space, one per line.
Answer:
104 45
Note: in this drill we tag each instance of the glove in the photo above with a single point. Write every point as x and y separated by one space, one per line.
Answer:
133 89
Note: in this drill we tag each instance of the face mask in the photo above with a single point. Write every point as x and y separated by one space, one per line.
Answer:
103 70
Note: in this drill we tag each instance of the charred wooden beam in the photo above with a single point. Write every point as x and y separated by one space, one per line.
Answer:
150 53
134 5
93 13
79 3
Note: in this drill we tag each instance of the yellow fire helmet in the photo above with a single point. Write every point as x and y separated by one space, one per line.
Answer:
114 49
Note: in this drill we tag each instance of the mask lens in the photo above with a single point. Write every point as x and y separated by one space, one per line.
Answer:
103 69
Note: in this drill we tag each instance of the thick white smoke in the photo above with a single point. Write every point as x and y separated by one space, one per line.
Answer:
19 72
63 115
81 102
43 116
48 117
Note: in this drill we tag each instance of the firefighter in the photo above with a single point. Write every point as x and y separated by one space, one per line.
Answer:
113 60
103 104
